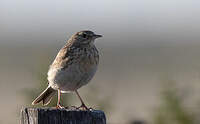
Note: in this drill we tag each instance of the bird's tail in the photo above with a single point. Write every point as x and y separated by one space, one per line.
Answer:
45 97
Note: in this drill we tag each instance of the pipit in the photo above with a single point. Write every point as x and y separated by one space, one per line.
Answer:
73 67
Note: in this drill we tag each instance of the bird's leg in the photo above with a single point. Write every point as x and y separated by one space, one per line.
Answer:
82 103
58 102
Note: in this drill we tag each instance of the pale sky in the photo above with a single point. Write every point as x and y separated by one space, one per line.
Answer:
120 21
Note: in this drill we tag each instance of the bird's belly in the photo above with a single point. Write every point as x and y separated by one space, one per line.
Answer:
71 78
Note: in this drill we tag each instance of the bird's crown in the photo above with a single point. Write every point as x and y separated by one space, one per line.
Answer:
85 37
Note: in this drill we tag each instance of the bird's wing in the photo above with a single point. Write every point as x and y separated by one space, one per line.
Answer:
64 57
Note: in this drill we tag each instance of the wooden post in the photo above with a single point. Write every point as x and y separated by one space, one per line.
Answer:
61 116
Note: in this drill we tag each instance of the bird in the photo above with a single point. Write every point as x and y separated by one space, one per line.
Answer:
74 66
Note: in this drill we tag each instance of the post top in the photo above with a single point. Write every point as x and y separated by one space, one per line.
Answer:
64 109
57 116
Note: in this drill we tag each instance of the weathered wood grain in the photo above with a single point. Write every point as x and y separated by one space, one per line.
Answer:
61 116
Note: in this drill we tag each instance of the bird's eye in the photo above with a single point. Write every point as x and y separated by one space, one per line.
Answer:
84 35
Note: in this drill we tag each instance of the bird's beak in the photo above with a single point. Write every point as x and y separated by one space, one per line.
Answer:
96 36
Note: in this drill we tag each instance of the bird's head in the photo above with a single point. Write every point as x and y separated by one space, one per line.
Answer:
85 37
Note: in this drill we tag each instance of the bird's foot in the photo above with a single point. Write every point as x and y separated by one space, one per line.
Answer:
83 107
59 106
71 107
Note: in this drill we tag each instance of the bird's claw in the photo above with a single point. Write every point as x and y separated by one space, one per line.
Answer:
59 107
83 107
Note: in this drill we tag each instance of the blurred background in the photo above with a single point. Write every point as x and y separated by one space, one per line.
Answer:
149 71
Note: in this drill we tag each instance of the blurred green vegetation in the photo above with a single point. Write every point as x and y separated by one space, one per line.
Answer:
172 109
